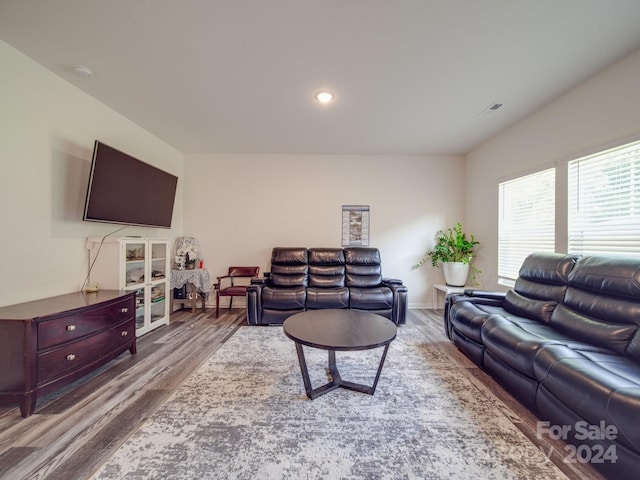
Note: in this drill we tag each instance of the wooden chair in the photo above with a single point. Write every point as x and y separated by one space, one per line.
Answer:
227 286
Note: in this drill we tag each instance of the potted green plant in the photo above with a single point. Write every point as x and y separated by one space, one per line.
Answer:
454 250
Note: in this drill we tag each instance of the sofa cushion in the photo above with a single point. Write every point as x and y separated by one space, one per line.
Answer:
363 276
327 297
541 284
516 341
289 256
618 276
363 267
539 310
362 256
284 298
326 276
601 304
288 267
594 330
598 386
326 267
546 269
378 298
288 275
513 344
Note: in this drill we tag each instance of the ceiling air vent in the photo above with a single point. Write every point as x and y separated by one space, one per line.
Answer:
491 108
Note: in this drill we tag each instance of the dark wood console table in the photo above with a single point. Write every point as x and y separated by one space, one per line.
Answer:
47 343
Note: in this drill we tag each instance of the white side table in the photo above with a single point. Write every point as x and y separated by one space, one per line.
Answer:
439 288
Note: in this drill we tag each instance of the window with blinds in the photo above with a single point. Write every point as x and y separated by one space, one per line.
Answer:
604 202
526 220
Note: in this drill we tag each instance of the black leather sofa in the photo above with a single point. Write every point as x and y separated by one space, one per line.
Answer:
314 278
566 342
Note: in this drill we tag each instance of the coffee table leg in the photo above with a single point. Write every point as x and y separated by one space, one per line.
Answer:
333 369
316 392
336 379
304 370
384 356
358 387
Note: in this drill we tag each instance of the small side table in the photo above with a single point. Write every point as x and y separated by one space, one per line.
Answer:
446 290
198 284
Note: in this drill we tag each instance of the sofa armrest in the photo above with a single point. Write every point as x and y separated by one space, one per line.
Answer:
399 313
454 298
485 294
254 303
483 298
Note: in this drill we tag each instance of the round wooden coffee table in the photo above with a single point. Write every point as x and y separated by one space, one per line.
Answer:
338 330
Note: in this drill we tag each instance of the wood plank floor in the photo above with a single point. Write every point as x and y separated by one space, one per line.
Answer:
76 429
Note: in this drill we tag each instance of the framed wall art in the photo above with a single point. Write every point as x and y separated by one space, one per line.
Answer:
355 225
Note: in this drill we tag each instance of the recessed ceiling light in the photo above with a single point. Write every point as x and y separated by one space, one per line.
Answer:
83 71
324 96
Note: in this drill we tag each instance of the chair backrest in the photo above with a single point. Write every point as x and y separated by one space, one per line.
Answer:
244 271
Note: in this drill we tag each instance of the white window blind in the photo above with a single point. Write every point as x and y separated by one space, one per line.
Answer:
526 221
604 202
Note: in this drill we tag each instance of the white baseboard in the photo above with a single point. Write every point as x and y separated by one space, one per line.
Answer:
416 306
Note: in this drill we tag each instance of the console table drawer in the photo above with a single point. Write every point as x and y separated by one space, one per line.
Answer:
75 355
66 329
122 335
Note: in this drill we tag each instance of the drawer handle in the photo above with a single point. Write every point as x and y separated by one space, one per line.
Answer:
71 357
124 333
124 310
71 328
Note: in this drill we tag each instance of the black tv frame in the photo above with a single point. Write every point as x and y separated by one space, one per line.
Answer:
127 191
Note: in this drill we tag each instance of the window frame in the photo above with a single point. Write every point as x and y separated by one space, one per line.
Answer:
598 193
508 234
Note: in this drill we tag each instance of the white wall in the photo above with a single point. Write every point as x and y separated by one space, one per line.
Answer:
47 130
241 206
602 112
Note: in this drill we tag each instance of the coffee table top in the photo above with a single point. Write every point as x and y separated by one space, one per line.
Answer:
333 329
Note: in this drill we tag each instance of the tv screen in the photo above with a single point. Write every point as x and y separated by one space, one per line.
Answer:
127 191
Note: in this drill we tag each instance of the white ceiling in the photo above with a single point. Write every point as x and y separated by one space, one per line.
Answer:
238 76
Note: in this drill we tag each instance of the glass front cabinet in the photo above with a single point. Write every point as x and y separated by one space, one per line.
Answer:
140 264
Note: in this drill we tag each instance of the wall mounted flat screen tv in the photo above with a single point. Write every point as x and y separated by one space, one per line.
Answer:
127 191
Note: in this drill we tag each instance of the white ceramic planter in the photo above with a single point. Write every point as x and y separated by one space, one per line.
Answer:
455 273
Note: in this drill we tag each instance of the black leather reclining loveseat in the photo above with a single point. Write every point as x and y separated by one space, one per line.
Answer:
566 342
307 279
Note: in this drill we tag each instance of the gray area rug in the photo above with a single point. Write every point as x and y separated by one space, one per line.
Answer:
244 415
